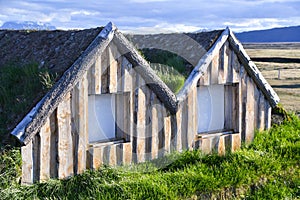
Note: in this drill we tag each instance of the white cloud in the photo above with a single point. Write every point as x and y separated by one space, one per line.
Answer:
84 12
161 28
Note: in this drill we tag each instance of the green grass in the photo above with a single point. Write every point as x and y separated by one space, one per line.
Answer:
20 88
266 169
169 76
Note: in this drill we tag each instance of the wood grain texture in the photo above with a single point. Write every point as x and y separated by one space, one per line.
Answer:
250 111
65 143
27 164
45 135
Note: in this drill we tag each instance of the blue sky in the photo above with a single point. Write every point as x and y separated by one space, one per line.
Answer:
155 15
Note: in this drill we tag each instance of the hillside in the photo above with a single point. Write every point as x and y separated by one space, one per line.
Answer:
286 34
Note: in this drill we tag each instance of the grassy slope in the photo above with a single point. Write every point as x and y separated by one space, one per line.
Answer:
267 169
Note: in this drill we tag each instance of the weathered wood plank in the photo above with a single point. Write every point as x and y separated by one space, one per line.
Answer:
161 130
235 108
191 101
45 135
223 64
268 113
120 115
127 153
113 155
221 145
126 74
207 75
206 145
167 130
256 107
27 164
97 76
228 98
178 141
96 154
184 126
36 157
261 114
214 70
235 67
53 145
148 134
155 129
105 71
250 111
79 114
141 121
65 143
113 54
243 100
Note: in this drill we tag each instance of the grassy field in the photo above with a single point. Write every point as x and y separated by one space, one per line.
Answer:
284 77
267 169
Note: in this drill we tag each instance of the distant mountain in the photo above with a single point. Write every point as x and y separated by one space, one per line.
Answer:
286 34
27 25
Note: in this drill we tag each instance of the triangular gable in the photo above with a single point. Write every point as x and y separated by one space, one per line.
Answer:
206 65
36 118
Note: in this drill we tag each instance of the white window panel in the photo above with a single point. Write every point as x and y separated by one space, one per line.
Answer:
101 117
210 108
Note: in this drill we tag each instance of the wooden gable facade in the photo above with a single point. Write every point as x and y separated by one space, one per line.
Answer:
111 108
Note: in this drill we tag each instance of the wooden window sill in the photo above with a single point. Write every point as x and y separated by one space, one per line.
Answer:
107 142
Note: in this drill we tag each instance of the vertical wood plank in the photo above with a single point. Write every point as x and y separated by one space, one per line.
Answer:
256 107
184 125
243 101
261 110
104 71
179 130
167 130
54 145
207 75
214 70
250 111
161 130
27 164
268 113
82 124
36 157
148 132
223 64
97 157
113 155
228 107
127 153
191 132
113 54
45 135
235 67
126 75
97 76
155 129
120 116
235 108
65 143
